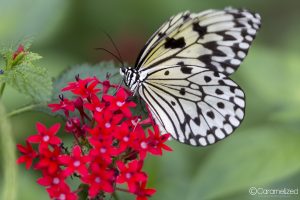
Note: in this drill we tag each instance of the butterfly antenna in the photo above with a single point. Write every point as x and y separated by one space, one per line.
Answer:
111 53
115 46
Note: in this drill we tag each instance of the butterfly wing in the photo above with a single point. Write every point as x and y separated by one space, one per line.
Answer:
197 108
183 73
215 39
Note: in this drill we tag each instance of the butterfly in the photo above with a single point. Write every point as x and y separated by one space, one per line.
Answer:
182 73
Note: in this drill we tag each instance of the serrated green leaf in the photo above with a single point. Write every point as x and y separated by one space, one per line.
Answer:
29 57
253 158
30 80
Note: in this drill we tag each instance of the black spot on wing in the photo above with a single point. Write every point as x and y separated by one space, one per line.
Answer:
201 30
220 105
227 37
161 35
207 79
205 58
186 70
182 91
197 120
210 114
172 43
218 91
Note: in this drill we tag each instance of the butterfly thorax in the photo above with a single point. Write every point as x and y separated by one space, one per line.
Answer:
131 77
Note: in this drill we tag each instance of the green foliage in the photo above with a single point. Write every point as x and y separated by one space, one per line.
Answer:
253 158
21 73
30 80
7 147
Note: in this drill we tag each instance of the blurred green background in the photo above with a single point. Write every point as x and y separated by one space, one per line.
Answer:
263 152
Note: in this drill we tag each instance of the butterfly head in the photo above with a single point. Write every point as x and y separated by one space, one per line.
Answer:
130 77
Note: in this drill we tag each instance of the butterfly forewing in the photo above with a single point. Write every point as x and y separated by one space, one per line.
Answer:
218 40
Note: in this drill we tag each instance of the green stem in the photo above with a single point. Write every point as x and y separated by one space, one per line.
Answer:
2 89
8 154
23 110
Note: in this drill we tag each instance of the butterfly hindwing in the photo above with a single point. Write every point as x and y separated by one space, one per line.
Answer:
197 108
215 39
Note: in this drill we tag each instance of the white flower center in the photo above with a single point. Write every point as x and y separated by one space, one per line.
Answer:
125 139
135 121
128 175
102 150
144 145
46 138
76 163
69 124
62 197
98 109
97 179
120 104
107 125
55 181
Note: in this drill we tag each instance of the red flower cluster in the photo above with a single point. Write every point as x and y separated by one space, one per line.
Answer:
109 148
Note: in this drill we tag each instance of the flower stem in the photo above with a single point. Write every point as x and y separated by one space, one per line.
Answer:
2 89
7 149
122 190
23 109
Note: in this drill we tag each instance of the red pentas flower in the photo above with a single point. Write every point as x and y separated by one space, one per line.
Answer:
99 180
52 180
156 142
28 154
76 162
143 193
83 87
120 102
48 159
109 147
45 136
62 193
64 104
131 174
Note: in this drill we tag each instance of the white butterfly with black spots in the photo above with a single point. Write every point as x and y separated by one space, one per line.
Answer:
182 73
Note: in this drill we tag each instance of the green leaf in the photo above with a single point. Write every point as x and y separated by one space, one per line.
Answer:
22 74
251 158
7 146
31 57
30 80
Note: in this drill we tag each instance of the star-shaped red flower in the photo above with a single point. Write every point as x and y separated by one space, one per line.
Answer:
28 154
76 162
120 102
45 136
131 174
